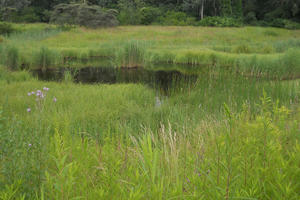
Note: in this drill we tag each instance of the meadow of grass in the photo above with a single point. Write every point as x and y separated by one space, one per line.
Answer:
248 50
223 137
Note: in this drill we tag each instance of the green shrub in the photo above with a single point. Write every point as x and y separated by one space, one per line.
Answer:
84 15
173 18
129 16
28 15
220 22
150 15
284 23
250 18
280 23
6 28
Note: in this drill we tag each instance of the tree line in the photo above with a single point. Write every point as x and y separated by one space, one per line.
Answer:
166 12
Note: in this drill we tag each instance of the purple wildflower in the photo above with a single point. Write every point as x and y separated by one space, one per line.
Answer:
28 109
54 99
46 89
32 92
29 145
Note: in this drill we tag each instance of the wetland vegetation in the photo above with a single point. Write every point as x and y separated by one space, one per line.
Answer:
149 112
249 50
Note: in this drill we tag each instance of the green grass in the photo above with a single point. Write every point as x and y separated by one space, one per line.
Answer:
181 45
224 137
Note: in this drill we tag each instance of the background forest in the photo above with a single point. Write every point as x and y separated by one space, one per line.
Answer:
277 13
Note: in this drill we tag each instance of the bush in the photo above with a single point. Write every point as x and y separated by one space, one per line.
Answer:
6 28
284 23
250 18
28 15
173 18
220 22
129 16
84 15
280 23
150 15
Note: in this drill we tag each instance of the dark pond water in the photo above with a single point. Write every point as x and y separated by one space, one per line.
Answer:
160 79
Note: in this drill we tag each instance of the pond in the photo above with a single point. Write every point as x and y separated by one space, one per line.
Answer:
160 79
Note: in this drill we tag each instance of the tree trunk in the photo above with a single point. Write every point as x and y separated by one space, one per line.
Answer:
202 9
215 8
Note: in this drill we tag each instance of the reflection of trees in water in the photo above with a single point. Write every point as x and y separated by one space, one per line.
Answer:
162 80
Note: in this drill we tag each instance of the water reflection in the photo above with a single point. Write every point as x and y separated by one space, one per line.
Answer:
163 80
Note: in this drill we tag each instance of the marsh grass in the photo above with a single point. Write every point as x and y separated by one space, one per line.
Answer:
151 44
113 138
96 140
12 58
131 54
69 76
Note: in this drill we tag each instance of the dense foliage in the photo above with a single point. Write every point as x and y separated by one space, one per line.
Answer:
82 14
6 28
167 12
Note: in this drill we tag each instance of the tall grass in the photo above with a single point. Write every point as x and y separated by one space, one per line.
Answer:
188 45
131 54
12 58
12 77
241 156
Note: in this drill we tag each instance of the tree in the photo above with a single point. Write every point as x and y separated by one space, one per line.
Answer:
226 8
16 4
84 15
194 6
237 8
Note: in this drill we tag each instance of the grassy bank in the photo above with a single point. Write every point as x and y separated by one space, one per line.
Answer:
262 51
224 137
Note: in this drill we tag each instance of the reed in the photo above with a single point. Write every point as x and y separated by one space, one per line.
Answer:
131 54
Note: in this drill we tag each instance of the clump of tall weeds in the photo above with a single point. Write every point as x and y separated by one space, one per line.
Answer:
131 54
12 58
